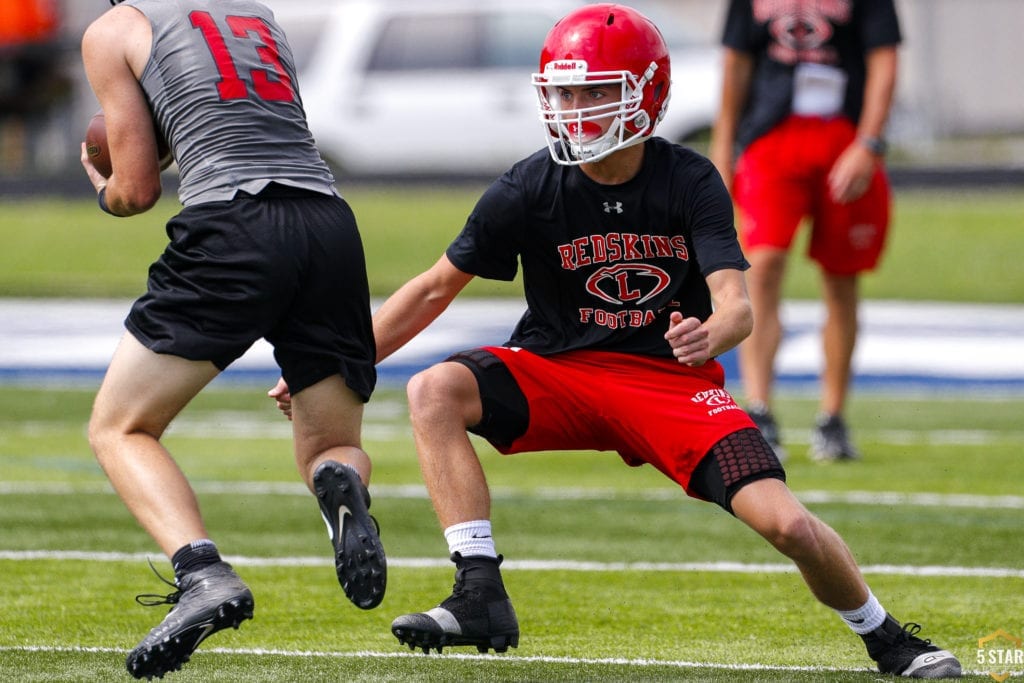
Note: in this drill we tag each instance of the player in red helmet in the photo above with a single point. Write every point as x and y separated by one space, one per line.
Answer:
633 58
634 284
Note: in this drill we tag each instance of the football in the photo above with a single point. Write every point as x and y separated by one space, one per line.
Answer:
96 146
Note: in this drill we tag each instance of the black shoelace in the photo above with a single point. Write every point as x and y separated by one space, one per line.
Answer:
155 599
909 634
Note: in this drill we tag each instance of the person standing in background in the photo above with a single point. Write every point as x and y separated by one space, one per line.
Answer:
806 93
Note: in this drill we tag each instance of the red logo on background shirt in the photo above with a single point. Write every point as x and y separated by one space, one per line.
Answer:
800 29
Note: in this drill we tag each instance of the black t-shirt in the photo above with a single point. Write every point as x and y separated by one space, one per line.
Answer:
782 33
603 265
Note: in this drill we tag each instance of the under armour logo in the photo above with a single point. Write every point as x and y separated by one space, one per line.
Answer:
616 207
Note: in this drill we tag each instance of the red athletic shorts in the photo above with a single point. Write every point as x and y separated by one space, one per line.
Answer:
648 410
783 177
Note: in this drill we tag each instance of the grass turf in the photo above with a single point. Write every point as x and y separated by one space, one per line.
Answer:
591 613
946 246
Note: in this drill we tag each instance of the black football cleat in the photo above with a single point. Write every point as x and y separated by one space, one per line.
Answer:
358 554
207 600
898 651
478 613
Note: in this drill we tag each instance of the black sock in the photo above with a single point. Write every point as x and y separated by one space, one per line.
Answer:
195 555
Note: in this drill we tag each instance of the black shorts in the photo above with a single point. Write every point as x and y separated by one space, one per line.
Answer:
286 265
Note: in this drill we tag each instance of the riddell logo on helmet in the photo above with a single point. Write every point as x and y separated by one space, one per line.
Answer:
566 65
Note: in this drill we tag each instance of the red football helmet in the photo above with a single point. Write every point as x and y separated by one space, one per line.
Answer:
603 44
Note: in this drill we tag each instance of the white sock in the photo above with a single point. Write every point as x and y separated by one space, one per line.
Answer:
471 538
866 618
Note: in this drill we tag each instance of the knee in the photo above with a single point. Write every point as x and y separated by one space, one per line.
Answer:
446 390
109 428
102 435
793 534
423 391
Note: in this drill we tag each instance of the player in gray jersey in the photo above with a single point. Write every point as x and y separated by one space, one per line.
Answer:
264 247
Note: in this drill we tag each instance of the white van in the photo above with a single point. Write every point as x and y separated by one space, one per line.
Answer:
415 88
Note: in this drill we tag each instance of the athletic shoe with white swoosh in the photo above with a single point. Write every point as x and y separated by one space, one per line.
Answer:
207 600
358 554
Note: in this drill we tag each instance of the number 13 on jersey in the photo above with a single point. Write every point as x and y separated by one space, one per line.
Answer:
231 85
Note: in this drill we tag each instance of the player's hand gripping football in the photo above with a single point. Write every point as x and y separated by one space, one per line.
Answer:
97 179
689 340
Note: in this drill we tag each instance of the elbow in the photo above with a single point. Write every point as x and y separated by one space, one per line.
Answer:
743 323
136 199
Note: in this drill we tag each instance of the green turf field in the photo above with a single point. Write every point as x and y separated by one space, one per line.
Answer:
945 246
615 574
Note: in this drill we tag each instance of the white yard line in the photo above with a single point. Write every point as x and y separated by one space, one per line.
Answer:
498 658
418 492
533 565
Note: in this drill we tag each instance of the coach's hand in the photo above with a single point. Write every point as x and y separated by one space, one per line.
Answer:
689 340
851 175
283 397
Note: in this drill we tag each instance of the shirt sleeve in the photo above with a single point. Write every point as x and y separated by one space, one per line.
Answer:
489 244
714 230
738 30
880 26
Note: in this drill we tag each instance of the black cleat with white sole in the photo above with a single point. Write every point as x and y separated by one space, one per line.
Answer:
898 651
478 613
207 600
358 554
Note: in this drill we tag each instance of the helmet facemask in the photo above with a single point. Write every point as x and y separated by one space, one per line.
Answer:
568 139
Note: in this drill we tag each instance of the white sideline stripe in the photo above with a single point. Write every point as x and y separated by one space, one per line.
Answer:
416 491
532 565
503 658
366 654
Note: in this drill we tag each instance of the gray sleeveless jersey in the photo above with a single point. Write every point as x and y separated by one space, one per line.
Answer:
221 83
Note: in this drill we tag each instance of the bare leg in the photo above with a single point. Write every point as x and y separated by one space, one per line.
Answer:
326 422
443 401
757 352
140 395
839 337
769 508
327 425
